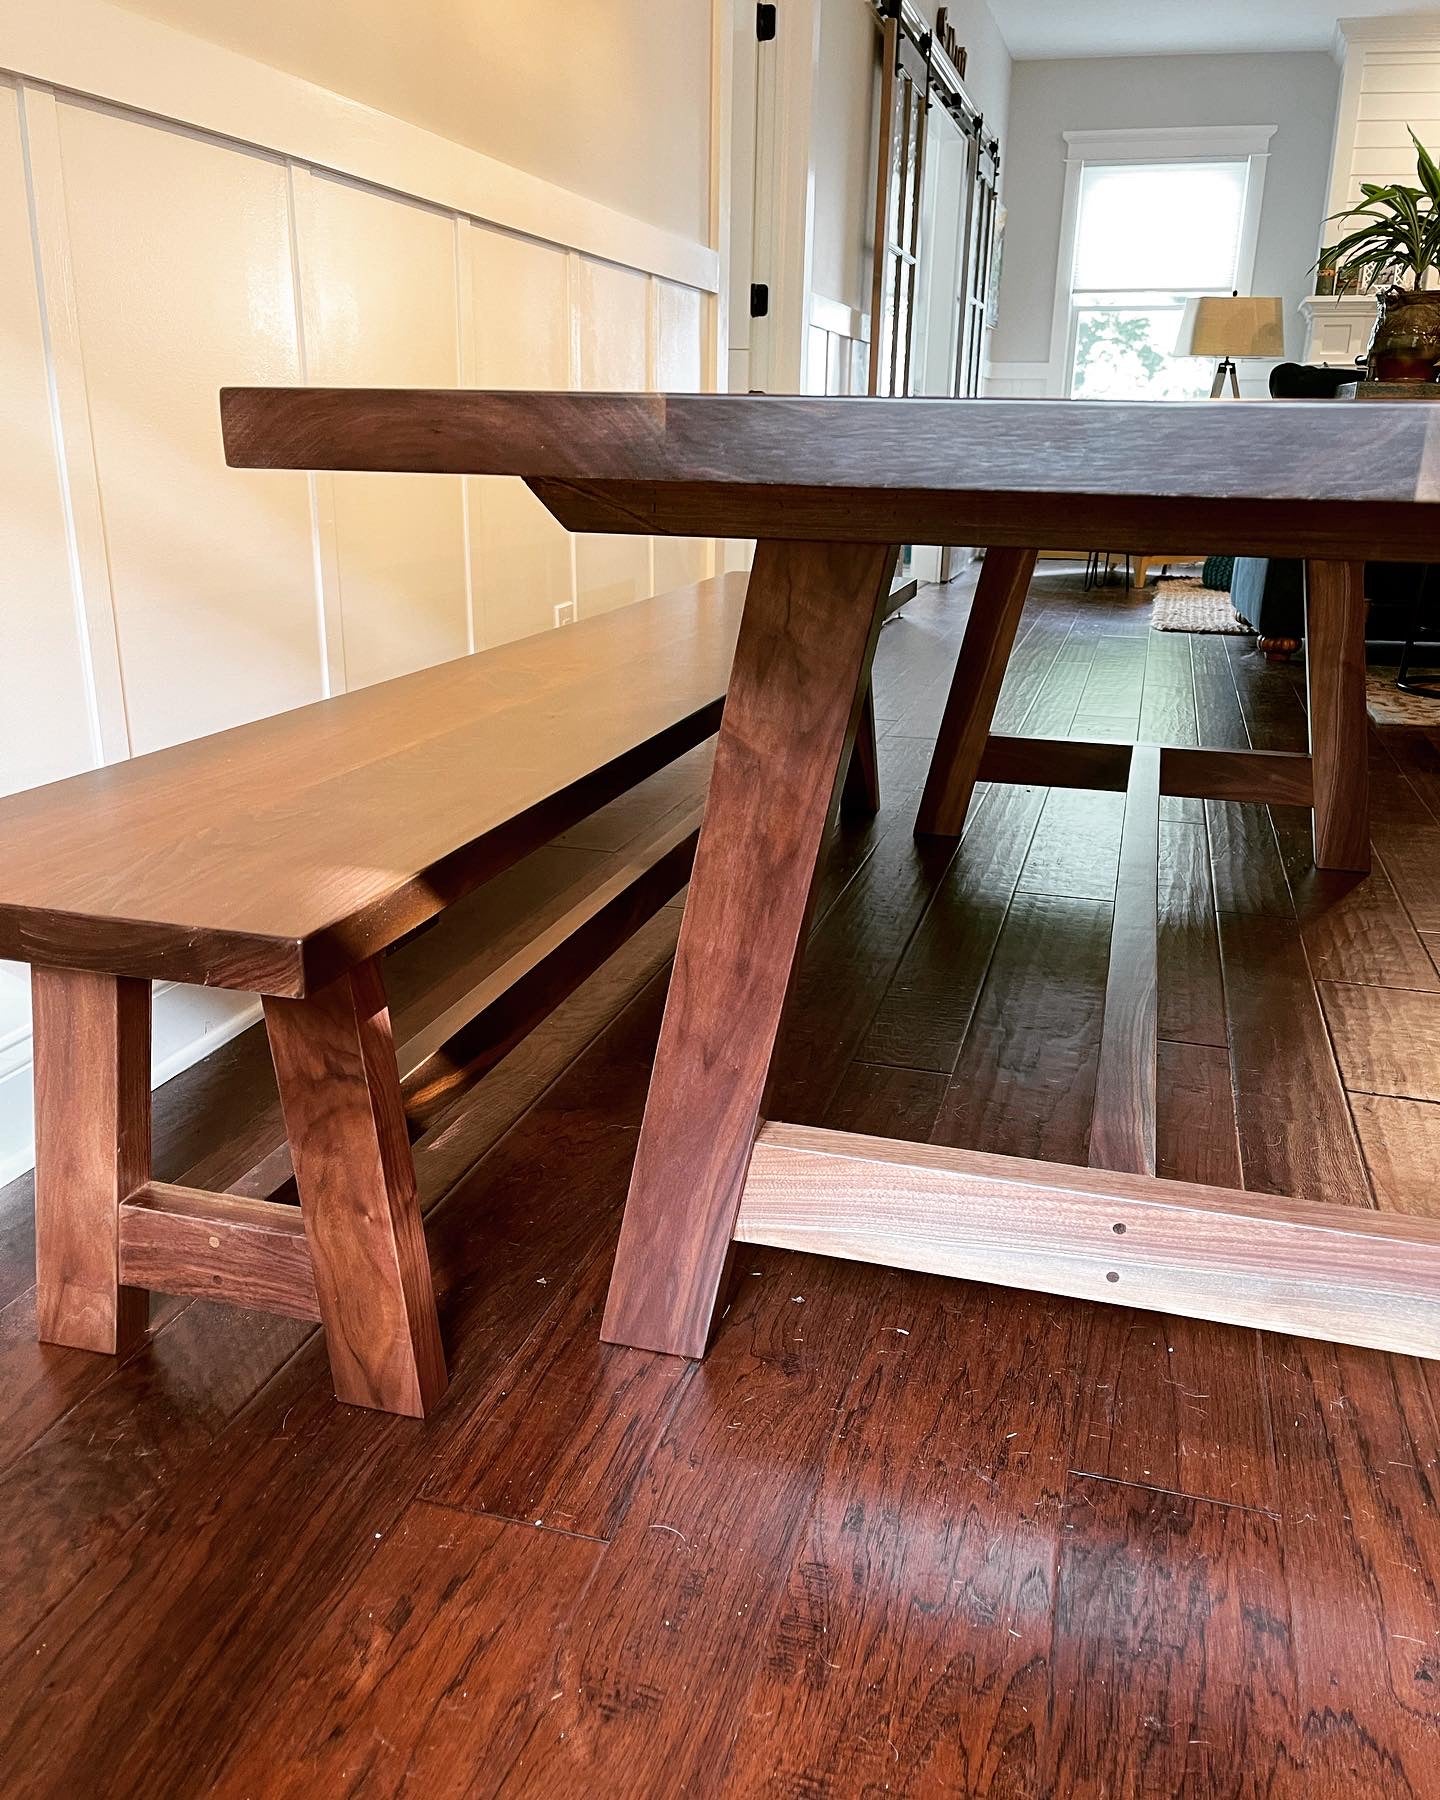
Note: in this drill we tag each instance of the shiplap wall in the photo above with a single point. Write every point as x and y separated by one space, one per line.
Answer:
1391 80
150 594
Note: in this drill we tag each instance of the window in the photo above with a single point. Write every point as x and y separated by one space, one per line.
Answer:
1148 236
1151 217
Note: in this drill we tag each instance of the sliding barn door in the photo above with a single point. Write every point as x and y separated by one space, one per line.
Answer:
900 171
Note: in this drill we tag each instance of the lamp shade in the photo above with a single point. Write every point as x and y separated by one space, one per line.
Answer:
1232 325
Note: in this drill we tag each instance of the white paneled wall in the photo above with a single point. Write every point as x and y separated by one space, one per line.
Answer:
150 594
837 348
380 307
1391 81
611 328
209 568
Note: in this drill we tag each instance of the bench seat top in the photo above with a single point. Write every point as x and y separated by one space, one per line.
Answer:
273 856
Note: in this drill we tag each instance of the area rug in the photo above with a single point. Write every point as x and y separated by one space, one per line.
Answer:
1186 606
1388 706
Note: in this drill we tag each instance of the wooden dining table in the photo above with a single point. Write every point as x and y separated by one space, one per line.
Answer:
829 489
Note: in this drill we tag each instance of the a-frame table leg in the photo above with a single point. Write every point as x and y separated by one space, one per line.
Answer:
795 693
861 792
1335 675
989 635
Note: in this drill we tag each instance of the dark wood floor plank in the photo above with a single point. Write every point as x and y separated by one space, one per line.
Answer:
1192 990
1417 756
1271 702
432 1671
1410 854
1219 717
567 1428
68 1501
1111 701
926 1009
1245 861
1076 847
1035 658
1356 1438
1167 703
689 1601
1401 1141
1395 804
1178 1405
879 1099
1195 1115
1387 1040
915 658
1355 929
1173 1668
854 839
1052 712
40 1383
847 966
911 1654
1025 1078
1296 1134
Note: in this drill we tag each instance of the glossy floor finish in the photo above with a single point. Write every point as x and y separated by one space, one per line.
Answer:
897 1535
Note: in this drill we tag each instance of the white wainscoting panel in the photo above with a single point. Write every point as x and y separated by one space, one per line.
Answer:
211 568
522 560
611 325
381 309
206 222
47 725
678 367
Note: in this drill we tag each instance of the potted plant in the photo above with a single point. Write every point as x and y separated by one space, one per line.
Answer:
1394 251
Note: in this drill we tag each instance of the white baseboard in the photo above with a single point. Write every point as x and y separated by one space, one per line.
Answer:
189 1023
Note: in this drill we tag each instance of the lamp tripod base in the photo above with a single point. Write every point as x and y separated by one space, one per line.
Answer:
1217 386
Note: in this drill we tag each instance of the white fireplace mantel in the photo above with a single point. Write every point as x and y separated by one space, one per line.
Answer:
1337 326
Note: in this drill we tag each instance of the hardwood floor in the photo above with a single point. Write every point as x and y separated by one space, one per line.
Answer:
897 1534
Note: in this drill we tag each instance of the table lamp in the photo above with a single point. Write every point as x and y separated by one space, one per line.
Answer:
1227 326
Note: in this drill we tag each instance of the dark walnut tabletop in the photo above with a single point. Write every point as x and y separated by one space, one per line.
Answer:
1322 478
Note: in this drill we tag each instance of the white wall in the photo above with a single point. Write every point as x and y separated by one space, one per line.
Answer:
175 216
842 153
1294 92
844 121
609 98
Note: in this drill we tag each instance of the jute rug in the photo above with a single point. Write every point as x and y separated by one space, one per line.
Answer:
1388 706
1186 606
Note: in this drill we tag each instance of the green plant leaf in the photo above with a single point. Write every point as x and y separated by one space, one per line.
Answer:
1425 167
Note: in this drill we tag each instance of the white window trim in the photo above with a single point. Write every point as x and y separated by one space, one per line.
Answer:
1164 143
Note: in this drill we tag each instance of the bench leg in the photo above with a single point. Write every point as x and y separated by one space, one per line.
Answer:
340 1091
1339 727
985 650
809 629
92 1149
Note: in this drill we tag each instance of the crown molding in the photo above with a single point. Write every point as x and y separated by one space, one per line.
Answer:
1396 31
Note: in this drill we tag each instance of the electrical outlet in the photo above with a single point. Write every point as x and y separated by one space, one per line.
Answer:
565 613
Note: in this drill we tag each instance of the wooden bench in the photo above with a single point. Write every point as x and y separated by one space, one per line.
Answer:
283 858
